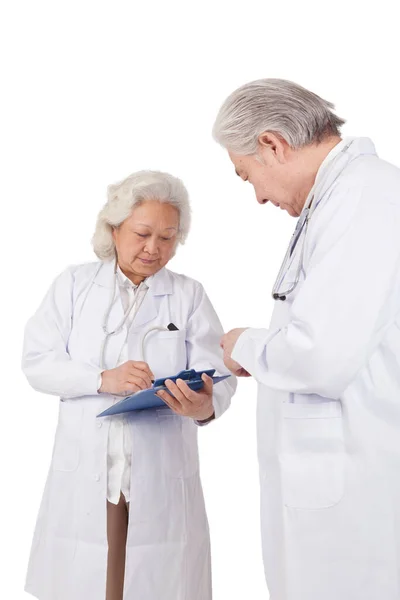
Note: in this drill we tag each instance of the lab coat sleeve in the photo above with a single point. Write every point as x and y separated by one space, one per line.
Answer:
204 332
46 362
341 312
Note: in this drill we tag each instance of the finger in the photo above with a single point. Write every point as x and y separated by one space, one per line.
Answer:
140 375
231 365
175 391
169 400
189 395
208 384
227 354
143 366
138 381
242 373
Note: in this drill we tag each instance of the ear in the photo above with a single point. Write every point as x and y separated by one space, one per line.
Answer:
274 144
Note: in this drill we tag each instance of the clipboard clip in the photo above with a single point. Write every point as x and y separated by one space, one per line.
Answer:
188 375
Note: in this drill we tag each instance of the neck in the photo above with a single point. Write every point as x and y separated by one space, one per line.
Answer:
134 277
310 161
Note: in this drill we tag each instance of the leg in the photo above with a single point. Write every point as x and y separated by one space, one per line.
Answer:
117 529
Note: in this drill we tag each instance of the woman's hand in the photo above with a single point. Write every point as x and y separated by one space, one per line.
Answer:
187 402
126 379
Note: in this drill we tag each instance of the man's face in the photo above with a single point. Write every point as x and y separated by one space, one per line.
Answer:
273 180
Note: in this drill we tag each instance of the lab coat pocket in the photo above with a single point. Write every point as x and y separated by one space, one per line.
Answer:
178 437
165 352
312 454
66 452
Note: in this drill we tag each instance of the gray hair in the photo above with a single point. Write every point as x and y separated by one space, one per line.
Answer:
125 195
276 105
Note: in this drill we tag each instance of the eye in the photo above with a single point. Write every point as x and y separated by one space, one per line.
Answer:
142 235
166 239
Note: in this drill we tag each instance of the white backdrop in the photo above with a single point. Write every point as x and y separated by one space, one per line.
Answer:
95 90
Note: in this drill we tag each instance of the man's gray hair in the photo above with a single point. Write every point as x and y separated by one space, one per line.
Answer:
275 105
136 189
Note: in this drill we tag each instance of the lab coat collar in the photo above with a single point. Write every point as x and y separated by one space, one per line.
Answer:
333 165
159 284
329 158
358 147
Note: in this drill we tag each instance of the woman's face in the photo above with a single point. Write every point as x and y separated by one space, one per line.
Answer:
146 240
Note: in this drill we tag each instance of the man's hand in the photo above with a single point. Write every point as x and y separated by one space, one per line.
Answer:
126 379
227 343
188 403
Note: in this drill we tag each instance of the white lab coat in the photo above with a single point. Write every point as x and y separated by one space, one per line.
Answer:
168 548
328 370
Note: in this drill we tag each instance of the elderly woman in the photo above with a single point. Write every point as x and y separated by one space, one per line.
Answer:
123 513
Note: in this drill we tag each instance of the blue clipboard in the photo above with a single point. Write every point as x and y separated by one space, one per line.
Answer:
146 399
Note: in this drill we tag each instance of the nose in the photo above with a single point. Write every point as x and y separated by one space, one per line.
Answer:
151 246
262 200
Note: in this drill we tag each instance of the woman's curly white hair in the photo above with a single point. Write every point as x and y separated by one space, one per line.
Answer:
133 191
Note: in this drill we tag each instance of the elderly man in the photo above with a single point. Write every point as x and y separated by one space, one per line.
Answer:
328 366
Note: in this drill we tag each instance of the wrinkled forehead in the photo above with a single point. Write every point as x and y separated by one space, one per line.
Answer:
154 213
241 163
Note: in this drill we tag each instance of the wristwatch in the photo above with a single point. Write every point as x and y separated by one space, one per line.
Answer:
207 420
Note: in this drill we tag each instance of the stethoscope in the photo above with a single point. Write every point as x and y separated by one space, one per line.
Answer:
300 233
134 302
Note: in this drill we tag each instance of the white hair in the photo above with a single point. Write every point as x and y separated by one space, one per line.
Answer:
276 105
124 196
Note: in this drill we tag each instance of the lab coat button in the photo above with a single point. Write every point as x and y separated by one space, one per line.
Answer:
99 424
97 477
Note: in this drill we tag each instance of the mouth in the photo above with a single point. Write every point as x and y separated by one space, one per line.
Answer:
146 261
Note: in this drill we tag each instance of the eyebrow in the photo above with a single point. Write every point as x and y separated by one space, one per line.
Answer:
149 226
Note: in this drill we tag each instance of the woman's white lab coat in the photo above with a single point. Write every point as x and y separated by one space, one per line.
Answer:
329 396
168 548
